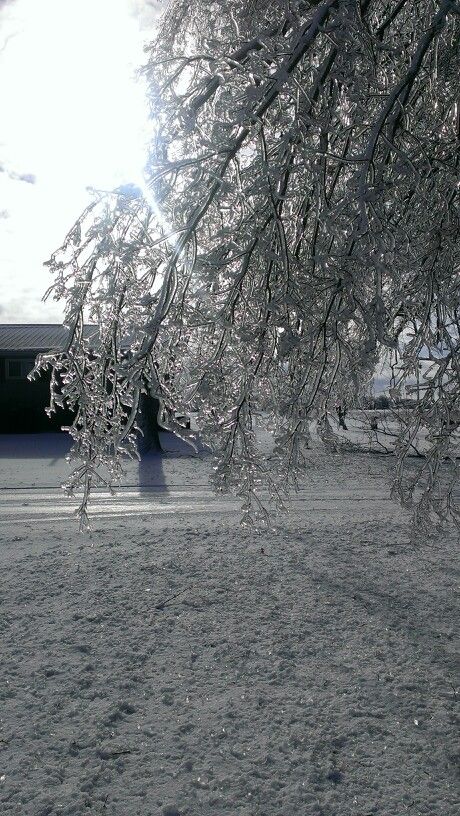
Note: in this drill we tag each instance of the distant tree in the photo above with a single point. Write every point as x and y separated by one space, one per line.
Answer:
300 216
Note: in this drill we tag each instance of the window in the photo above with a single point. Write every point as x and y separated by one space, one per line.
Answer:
18 369
13 369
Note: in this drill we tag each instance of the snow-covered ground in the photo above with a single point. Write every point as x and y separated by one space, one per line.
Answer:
172 663
381 439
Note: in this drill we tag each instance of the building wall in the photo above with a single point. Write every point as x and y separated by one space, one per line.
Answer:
23 403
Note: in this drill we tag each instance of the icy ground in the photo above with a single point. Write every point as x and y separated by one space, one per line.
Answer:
171 663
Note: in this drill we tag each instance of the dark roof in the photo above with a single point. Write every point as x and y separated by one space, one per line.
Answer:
36 337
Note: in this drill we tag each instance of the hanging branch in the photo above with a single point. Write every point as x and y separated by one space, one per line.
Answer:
300 217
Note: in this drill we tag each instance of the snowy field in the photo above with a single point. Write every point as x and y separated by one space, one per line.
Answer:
170 663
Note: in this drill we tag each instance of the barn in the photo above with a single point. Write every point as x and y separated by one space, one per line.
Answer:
23 403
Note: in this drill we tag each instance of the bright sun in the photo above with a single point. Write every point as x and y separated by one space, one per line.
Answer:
76 111
73 116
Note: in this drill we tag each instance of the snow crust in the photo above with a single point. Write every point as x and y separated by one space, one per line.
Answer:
172 663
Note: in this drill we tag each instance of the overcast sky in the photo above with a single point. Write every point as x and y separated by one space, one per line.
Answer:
73 116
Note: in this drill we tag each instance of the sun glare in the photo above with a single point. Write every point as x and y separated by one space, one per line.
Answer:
77 113
74 116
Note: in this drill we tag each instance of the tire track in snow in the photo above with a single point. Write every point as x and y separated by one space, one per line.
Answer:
30 504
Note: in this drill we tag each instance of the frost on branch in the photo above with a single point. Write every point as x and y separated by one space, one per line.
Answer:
300 216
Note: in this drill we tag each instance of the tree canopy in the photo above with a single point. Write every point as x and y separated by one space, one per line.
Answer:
300 218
